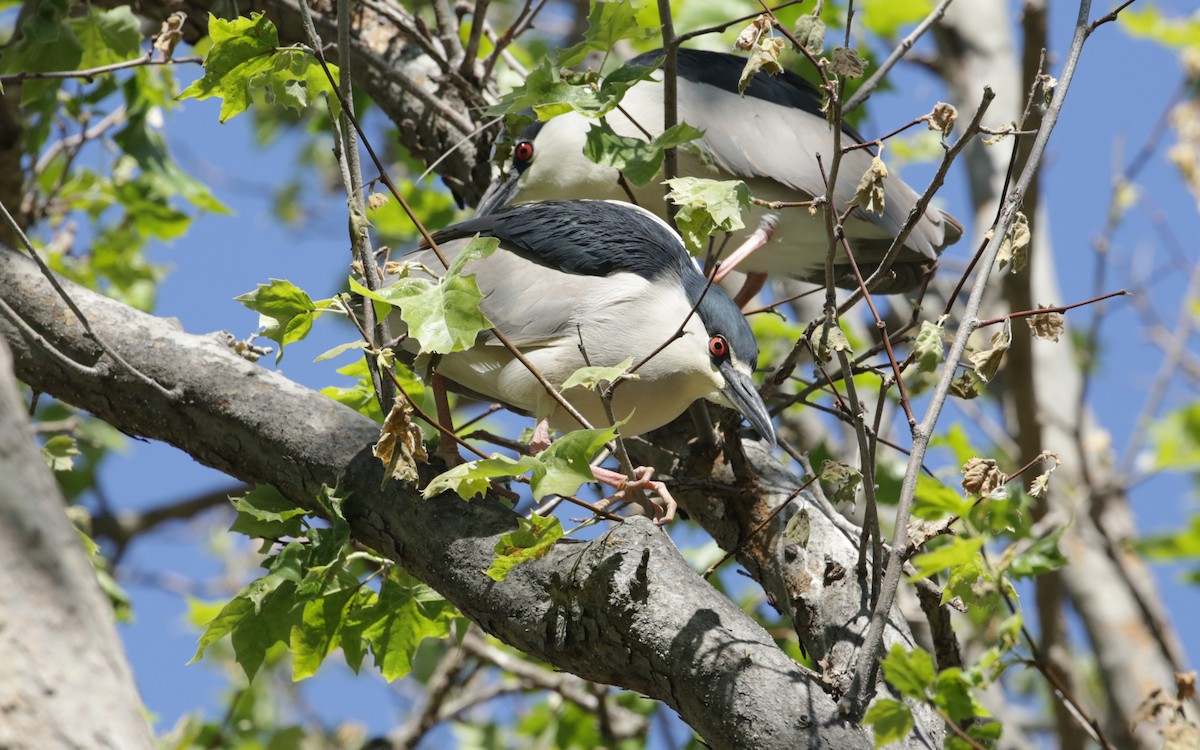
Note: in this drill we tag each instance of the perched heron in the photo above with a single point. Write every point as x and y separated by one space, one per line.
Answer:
608 281
770 139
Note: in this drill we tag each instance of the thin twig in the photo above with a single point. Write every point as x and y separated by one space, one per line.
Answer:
1043 310
90 73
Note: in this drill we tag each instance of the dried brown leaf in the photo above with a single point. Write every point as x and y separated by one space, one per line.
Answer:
942 118
401 445
753 32
170 34
987 362
982 476
810 32
1041 483
763 56
869 193
1014 246
1047 326
844 61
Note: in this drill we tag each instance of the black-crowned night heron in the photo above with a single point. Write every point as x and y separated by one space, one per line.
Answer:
770 139
614 281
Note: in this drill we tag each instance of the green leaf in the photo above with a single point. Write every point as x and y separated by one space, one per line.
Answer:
296 79
244 56
47 43
264 512
935 501
707 207
1042 557
910 672
406 613
241 52
892 720
547 94
59 452
443 316
930 346
952 693
597 378
1176 439
1148 22
638 160
286 312
960 556
885 17
317 631
843 480
531 541
260 614
566 465
608 23
107 36
337 351
1180 545
473 478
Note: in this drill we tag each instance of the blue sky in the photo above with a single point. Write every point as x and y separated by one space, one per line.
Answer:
1114 101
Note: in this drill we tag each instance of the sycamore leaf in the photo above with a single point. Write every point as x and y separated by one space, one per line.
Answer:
1042 557
930 346
891 720
967 385
474 477
707 207
952 693
265 513
942 117
242 51
844 61
935 500
107 36
443 315
910 672
982 476
406 613
566 465
598 378
608 23
749 36
340 349
637 160
1046 326
870 192
843 480
763 56
960 556
1041 483
827 339
1015 244
286 312
810 32
316 632
534 537
547 94
59 452
401 445
987 362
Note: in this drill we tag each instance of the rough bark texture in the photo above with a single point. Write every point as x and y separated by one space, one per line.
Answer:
624 609
1110 588
65 682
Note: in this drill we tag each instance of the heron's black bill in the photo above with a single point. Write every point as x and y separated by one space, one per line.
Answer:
740 391
499 194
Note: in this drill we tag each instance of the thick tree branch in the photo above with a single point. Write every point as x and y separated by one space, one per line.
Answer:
625 609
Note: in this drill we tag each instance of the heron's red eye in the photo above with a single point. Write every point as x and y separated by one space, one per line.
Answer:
523 152
718 347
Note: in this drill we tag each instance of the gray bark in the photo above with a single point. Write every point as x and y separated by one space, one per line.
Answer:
65 681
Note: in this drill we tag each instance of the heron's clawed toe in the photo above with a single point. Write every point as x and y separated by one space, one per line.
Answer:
633 490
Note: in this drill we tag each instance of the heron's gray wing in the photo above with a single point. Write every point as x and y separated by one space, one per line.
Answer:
763 142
